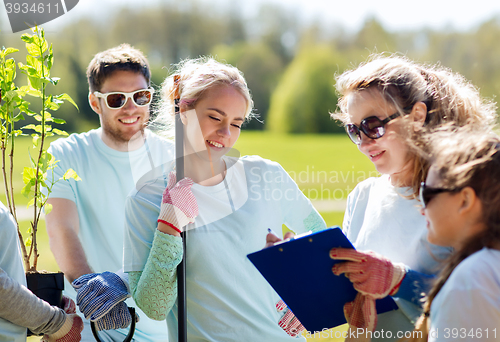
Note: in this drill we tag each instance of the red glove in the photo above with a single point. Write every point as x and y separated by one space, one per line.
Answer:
373 276
69 305
71 329
288 321
178 206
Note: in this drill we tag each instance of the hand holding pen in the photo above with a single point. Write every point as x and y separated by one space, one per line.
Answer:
272 237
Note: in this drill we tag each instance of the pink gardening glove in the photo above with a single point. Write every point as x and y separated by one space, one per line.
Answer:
288 321
71 329
178 205
373 276
361 313
69 305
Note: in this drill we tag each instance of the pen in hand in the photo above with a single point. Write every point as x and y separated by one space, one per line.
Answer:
270 231
272 238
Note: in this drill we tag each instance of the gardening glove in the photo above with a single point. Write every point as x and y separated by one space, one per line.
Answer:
70 331
360 314
69 305
118 317
288 321
178 205
373 276
98 294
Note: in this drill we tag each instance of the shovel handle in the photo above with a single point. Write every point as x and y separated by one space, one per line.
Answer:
130 333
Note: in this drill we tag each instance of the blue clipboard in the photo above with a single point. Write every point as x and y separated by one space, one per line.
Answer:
300 271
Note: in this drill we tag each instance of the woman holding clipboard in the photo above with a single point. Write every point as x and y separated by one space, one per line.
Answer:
387 105
225 206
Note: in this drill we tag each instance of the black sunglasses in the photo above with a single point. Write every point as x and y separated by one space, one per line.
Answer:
427 193
372 126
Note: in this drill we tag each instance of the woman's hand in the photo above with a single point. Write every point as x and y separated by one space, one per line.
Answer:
373 276
178 206
272 238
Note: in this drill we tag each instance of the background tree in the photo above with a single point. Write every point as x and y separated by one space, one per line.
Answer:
263 46
306 93
262 68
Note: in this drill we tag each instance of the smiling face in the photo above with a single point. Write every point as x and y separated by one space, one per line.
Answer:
389 153
120 125
215 123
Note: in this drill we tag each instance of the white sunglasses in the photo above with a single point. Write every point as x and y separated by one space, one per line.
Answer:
117 99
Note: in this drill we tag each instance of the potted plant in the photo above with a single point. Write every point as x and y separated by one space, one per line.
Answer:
38 168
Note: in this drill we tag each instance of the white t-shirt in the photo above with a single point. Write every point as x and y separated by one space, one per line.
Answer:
467 308
380 219
11 263
227 297
107 176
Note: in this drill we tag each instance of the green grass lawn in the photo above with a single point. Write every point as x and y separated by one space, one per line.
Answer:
326 167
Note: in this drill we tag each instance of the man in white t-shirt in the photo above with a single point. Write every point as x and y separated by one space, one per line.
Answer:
86 223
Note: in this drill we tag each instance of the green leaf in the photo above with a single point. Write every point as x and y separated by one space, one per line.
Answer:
18 117
34 83
35 140
54 80
44 161
37 46
27 38
59 121
67 98
48 208
71 174
35 63
7 51
52 105
59 132
10 95
30 203
29 173
30 126
50 58
21 93
26 191
31 91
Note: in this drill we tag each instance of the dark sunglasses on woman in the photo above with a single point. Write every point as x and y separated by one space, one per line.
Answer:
427 193
372 126
117 99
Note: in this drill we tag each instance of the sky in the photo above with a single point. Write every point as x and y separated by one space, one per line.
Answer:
395 15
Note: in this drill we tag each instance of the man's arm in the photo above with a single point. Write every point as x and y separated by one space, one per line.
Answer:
62 227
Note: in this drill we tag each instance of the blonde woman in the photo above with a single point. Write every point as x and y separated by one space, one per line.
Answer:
226 206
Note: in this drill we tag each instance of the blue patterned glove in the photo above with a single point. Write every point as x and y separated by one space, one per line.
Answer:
98 293
118 317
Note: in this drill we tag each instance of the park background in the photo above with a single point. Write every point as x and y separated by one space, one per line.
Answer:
290 52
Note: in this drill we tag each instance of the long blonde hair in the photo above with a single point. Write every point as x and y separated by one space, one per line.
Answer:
449 97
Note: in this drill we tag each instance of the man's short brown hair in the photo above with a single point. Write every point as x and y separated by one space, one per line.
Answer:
122 57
